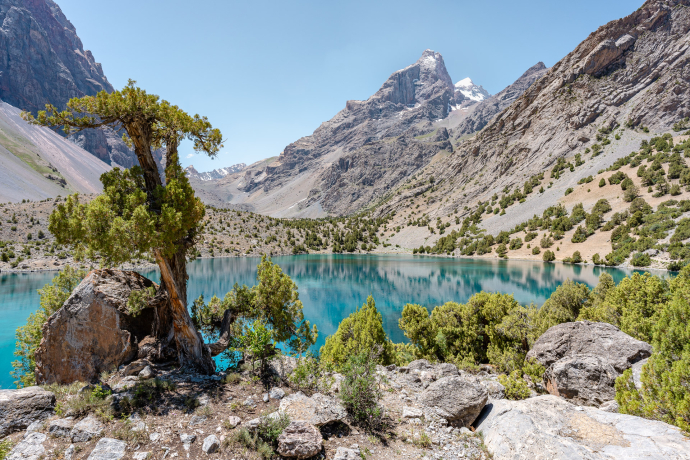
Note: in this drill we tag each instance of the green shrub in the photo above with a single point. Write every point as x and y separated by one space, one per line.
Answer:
359 332
664 394
360 392
534 370
549 256
568 191
515 386
29 336
536 250
602 182
5 448
640 259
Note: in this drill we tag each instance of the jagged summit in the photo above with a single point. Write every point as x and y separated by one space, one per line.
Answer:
468 93
215 174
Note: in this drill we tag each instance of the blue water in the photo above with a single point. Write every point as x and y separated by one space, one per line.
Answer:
333 286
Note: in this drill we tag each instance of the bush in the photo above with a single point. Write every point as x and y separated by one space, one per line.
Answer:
360 392
640 259
568 191
549 256
536 250
631 193
5 448
310 375
515 243
515 386
356 334
602 182
29 336
664 394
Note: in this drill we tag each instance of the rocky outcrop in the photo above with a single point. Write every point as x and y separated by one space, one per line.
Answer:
94 331
485 110
550 427
20 408
589 338
455 399
300 440
29 448
584 358
316 410
108 449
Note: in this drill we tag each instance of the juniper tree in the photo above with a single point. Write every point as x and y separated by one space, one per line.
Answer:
138 213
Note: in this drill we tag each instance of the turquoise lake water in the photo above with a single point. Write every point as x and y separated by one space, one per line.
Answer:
333 286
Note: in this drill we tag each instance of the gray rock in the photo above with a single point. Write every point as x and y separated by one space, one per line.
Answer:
344 453
412 412
108 449
125 383
197 420
153 437
147 373
445 370
211 444
141 455
610 406
282 366
300 440
86 429
276 393
35 426
588 338
20 408
233 421
586 380
187 438
61 427
265 397
69 452
135 367
317 410
420 365
29 448
494 388
456 399
550 427
637 372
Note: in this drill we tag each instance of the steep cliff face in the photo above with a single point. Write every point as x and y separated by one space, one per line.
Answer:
42 60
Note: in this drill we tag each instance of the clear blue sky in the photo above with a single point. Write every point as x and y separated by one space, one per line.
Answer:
269 72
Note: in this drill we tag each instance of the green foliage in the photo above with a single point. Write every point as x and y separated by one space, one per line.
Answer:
549 256
5 448
666 376
311 375
515 386
273 302
257 342
29 336
360 331
360 392
640 259
534 370
139 298
564 304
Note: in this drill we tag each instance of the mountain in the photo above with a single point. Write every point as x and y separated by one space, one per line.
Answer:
215 174
42 60
36 163
488 107
467 93
629 76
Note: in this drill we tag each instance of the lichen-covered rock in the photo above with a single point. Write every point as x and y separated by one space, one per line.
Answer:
459 400
93 331
586 380
317 410
29 448
108 449
60 428
300 440
20 408
549 427
211 444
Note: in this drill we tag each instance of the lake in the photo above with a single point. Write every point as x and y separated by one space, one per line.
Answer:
333 286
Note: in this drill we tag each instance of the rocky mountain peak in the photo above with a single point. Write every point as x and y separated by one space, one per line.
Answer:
215 174
467 93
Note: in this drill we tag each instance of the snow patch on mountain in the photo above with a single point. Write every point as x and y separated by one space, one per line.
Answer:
216 173
470 91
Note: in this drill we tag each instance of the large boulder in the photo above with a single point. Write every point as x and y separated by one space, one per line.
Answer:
20 408
548 427
586 380
591 339
584 358
300 440
94 330
29 448
108 449
317 410
457 399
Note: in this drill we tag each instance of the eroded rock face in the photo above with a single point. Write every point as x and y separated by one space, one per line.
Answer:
586 380
93 332
300 440
456 399
20 408
548 427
